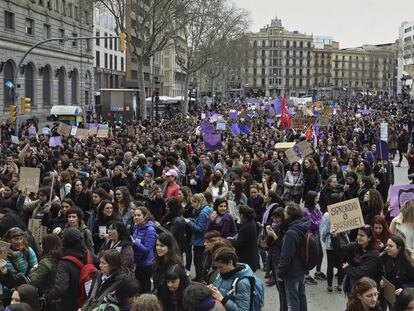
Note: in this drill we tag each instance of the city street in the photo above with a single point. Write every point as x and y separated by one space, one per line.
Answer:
318 298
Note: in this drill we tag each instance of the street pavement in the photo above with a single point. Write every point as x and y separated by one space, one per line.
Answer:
317 296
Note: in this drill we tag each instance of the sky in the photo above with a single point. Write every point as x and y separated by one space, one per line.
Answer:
351 22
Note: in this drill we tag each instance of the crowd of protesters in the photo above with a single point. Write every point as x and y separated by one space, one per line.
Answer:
156 220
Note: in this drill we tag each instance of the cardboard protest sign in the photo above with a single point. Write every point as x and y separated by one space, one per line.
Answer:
292 156
23 152
298 122
102 133
73 130
82 133
36 228
4 249
398 195
92 131
29 179
15 140
389 291
327 110
55 141
323 121
221 126
64 129
284 146
131 131
346 215
384 131
299 151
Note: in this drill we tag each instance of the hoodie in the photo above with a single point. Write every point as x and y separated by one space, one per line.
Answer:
144 242
289 262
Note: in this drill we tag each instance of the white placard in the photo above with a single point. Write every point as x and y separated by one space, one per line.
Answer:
384 131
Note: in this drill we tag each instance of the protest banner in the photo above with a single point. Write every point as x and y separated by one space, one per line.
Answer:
81 133
55 141
381 151
102 133
346 215
64 129
398 195
284 146
298 151
36 228
131 131
389 291
92 131
4 249
384 131
29 179
73 130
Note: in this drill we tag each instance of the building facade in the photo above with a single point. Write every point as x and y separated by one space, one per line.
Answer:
59 72
280 61
406 56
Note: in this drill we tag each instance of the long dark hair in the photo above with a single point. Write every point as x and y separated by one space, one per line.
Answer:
373 243
404 255
310 197
404 299
177 271
29 294
52 247
173 255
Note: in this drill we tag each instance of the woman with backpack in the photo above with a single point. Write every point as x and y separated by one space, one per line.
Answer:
69 289
105 280
144 237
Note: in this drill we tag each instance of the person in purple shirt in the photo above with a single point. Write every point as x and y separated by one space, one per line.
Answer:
314 214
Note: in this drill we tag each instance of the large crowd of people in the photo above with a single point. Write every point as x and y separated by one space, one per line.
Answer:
158 219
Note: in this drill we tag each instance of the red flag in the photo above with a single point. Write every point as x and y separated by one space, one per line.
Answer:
309 133
285 118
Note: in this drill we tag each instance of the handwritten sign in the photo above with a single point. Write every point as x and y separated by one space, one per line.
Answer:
82 133
131 131
4 249
346 215
29 179
92 131
384 131
64 129
22 153
36 228
284 146
102 133
323 121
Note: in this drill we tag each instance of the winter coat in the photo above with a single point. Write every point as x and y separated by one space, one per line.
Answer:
240 301
177 228
43 276
82 200
224 224
144 236
100 286
404 230
289 262
293 183
105 222
87 235
312 181
245 244
125 247
199 225
398 271
17 262
324 197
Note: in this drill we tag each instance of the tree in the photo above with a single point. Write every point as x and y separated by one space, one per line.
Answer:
211 22
149 26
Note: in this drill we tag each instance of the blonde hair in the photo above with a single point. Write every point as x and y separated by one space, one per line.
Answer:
147 302
407 211
199 198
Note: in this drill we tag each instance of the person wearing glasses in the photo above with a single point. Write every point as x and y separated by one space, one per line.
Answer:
362 257
364 296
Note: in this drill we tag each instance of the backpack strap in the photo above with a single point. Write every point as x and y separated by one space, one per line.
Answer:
75 260
252 282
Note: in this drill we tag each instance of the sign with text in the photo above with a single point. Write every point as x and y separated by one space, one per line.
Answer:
323 121
36 228
92 131
102 133
29 179
346 215
131 131
384 131
284 146
64 129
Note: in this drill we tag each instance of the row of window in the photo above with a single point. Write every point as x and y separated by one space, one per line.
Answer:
110 43
113 61
287 43
9 24
66 9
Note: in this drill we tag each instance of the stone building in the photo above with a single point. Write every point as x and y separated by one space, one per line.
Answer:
55 73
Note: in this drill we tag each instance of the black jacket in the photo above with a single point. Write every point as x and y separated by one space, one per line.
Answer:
246 244
177 228
312 182
398 271
289 261
83 200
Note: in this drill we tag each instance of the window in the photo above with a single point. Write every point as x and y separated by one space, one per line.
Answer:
110 42
46 31
116 44
106 41
70 10
61 35
29 26
9 20
57 5
49 4
98 59
408 29
76 13
116 62
122 64
46 86
110 62
63 9
74 42
106 60
41 2
97 41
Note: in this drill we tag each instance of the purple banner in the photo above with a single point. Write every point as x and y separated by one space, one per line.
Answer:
398 195
212 142
381 149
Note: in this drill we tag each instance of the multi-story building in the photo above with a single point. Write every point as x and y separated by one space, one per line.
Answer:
280 61
406 55
109 61
173 78
59 72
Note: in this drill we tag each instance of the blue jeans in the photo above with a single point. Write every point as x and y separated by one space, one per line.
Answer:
295 293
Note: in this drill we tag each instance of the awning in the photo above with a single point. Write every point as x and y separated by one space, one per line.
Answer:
63 110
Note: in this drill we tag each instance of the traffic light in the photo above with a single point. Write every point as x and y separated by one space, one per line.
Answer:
12 113
25 105
122 41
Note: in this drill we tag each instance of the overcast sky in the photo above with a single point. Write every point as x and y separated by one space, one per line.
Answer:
351 22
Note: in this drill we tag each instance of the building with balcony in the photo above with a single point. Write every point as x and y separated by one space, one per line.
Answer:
405 56
59 72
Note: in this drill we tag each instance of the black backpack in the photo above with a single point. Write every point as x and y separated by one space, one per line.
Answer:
309 250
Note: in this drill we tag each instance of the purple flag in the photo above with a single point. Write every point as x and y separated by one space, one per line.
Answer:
381 150
245 129
270 121
278 106
55 141
250 115
206 127
398 195
364 112
233 115
212 142
316 112
235 130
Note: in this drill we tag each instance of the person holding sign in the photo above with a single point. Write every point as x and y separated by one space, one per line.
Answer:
364 296
42 205
398 265
362 257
